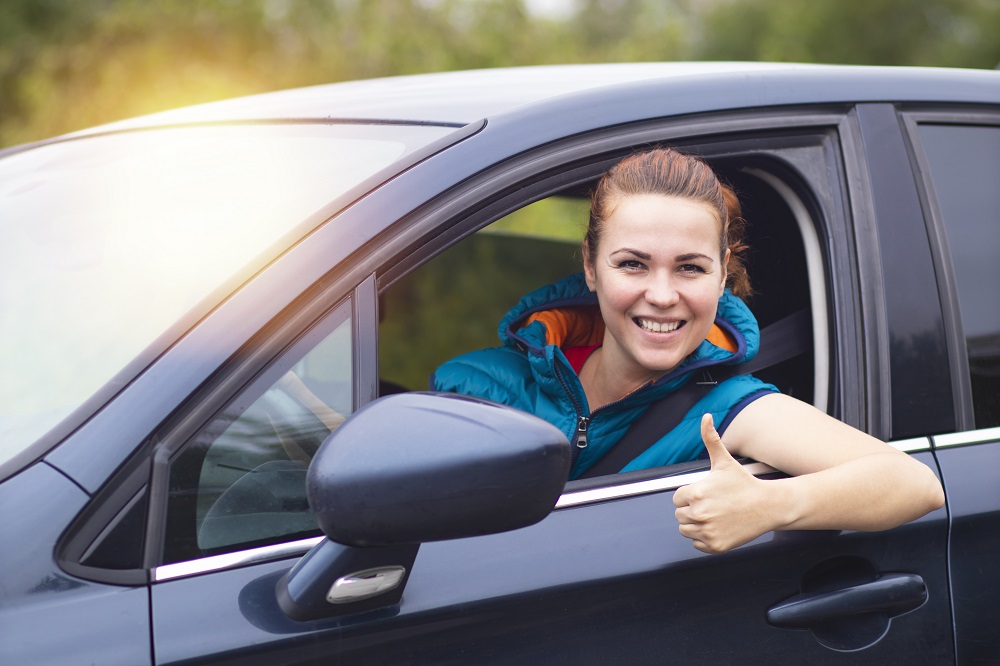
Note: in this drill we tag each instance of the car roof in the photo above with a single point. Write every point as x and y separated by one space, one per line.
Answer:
462 97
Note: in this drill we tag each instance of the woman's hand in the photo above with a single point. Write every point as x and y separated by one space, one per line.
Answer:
842 479
727 508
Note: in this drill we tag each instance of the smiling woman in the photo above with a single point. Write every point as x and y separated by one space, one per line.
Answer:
663 243
658 276
103 227
664 239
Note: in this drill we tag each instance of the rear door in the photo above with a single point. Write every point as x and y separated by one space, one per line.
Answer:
957 156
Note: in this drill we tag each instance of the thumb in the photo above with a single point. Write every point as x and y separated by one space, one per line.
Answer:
718 454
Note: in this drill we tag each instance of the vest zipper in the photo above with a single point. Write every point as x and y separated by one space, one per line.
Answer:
581 431
580 440
582 422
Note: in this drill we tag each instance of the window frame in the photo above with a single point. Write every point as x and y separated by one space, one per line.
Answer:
716 139
912 118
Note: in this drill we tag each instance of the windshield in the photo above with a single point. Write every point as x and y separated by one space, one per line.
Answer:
107 241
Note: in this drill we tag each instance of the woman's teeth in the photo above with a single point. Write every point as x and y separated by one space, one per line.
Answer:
657 327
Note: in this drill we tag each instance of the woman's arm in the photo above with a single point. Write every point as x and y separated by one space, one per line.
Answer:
842 478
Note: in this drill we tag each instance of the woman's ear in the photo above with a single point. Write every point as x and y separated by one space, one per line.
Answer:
725 271
588 267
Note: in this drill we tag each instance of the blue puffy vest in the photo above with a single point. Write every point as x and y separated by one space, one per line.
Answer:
530 372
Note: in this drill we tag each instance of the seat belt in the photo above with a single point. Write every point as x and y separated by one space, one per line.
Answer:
784 339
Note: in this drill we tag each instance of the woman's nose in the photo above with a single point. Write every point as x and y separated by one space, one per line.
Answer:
661 292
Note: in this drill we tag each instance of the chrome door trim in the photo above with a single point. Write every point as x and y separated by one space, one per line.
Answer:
967 437
645 487
666 483
233 560
914 445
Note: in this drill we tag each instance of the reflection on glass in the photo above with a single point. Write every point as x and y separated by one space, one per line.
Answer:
241 482
105 242
965 164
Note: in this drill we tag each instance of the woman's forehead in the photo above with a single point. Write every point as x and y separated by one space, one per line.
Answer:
662 217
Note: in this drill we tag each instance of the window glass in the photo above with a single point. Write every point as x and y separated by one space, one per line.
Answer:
94 230
241 482
965 167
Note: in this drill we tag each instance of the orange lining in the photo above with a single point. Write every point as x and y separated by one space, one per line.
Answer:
571 327
718 337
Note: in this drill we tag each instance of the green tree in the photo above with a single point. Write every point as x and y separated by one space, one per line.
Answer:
874 32
70 64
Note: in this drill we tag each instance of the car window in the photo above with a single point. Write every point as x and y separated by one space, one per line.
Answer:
95 229
241 482
965 169
454 303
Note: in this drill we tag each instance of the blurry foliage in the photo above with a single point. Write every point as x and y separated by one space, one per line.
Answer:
70 64
454 303
946 33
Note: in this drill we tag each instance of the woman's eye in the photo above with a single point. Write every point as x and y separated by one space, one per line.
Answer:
630 264
691 268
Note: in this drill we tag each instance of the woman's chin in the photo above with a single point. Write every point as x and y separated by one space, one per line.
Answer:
660 365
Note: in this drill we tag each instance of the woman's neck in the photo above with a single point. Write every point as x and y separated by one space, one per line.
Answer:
603 385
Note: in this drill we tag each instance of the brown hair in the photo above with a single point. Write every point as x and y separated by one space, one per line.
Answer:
668 172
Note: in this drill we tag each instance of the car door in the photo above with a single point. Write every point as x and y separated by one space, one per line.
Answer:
956 154
606 576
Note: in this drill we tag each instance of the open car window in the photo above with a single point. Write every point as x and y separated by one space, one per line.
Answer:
453 303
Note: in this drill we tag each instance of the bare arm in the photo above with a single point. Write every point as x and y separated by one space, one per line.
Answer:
843 478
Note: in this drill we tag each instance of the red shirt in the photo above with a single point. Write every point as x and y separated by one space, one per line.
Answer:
577 356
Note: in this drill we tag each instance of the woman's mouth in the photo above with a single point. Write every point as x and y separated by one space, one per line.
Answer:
656 326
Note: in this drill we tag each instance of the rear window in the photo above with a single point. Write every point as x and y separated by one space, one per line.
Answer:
965 167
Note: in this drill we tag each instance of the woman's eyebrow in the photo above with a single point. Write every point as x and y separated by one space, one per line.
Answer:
692 255
645 256
636 253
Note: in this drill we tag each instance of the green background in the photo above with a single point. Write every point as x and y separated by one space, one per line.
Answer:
70 64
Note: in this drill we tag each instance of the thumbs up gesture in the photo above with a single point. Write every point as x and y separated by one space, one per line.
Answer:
726 508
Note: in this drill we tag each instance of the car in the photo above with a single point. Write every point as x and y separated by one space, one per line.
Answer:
218 443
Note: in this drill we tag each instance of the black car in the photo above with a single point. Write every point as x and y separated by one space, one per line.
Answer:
194 301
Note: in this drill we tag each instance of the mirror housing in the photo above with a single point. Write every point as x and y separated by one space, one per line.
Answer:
416 467
410 468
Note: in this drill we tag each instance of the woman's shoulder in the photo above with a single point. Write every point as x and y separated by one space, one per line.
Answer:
482 372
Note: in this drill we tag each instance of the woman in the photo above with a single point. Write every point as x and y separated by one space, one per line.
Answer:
659 298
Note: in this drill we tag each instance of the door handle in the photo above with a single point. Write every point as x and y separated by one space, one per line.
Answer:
890 594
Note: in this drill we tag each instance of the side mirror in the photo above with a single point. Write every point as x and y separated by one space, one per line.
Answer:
416 467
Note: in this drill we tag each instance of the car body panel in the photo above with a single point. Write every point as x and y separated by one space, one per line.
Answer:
914 336
557 592
974 507
47 615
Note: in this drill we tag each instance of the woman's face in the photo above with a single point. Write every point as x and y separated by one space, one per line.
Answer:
658 275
